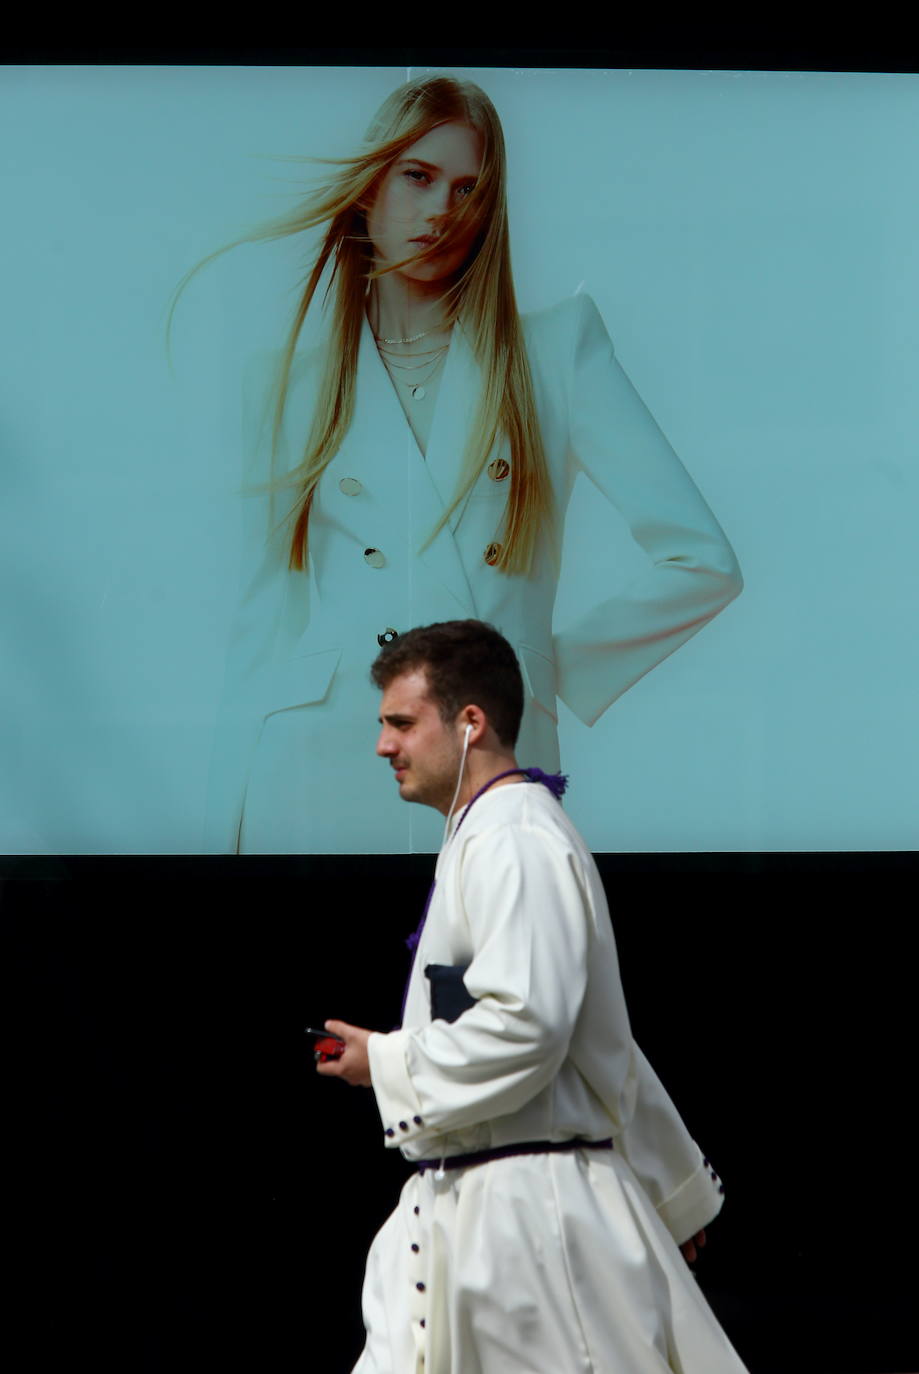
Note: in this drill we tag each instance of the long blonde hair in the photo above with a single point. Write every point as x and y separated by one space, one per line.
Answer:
482 294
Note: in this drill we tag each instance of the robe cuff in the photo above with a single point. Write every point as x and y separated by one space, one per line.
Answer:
694 1205
397 1101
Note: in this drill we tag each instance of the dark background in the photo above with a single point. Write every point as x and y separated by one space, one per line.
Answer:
185 1192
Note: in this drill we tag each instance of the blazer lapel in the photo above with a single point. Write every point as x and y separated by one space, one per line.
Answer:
453 418
432 480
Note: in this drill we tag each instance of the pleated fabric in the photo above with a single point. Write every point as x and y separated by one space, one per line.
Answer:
535 1264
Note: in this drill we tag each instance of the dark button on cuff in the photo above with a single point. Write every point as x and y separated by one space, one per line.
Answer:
420 1287
720 1187
415 1249
390 1131
422 1322
417 1120
403 1125
417 1211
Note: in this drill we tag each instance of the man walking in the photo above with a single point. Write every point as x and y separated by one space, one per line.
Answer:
555 1180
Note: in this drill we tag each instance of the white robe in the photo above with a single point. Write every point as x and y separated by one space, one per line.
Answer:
295 748
535 1264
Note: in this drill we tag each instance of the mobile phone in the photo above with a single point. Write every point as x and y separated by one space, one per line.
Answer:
322 1034
326 1045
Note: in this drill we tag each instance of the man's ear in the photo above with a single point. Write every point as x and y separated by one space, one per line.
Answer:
473 724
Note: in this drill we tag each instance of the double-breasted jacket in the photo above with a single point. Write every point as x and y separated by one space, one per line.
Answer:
294 750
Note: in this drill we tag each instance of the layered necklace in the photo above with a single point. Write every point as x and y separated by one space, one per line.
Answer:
421 365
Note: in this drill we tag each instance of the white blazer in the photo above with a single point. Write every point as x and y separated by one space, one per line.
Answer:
294 750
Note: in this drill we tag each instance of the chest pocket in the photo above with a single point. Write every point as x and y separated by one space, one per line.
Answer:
303 679
539 678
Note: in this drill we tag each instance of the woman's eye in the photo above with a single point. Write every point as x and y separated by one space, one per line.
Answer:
467 189
417 176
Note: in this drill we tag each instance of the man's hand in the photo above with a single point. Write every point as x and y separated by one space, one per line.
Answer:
688 1248
353 1065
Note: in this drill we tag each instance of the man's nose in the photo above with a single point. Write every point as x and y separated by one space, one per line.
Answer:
384 744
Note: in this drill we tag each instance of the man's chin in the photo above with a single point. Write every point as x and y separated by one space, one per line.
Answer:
408 791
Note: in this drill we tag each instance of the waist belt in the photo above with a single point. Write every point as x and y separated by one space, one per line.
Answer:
523 1147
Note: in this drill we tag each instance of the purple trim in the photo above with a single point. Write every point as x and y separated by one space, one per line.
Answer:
556 782
412 943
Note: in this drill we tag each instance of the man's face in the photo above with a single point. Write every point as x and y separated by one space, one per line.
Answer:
424 753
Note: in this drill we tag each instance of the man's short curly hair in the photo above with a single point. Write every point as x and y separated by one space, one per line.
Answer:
465 661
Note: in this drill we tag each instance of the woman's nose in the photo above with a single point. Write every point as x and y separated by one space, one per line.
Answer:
437 203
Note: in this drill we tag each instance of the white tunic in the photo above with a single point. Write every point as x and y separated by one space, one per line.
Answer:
547 1263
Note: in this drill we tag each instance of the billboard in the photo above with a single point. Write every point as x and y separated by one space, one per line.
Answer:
715 269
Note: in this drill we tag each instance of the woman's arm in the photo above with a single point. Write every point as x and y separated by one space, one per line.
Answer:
264 545
260 604
692 573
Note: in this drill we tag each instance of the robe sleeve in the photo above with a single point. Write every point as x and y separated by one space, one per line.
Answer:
668 1163
530 926
692 572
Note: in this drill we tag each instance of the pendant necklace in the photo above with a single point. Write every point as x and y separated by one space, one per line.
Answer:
418 386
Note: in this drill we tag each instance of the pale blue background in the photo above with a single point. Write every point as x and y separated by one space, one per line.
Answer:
752 241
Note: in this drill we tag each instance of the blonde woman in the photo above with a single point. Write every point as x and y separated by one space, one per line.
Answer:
417 468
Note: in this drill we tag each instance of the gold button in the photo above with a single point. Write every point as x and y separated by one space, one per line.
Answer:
350 486
492 554
374 558
498 470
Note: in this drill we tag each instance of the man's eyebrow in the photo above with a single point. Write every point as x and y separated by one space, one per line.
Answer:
395 719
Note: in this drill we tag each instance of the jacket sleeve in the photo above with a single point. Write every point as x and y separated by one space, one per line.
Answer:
692 573
265 581
668 1163
530 929
262 594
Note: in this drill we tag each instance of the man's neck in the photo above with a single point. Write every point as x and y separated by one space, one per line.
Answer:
480 769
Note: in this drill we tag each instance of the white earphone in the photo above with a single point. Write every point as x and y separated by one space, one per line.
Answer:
459 780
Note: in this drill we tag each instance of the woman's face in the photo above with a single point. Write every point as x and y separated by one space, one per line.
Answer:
430 177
